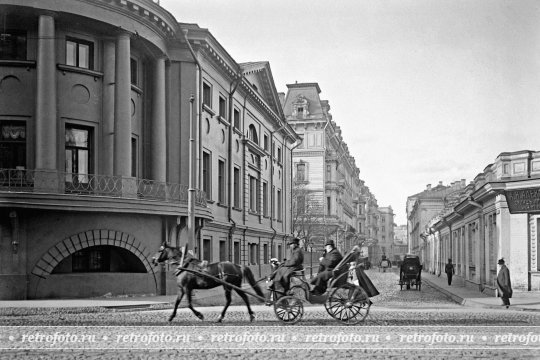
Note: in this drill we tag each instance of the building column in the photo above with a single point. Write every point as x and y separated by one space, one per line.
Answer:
46 124
108 108
159 132
122 107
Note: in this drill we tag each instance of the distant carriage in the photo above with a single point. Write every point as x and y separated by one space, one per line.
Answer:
410 273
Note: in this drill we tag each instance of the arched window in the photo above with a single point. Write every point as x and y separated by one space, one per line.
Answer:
252 134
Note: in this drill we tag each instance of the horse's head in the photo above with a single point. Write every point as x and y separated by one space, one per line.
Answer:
165 253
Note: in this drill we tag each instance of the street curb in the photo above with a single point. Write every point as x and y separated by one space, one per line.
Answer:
456 298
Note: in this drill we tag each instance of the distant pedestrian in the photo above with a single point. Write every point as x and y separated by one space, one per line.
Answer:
503 283
450 271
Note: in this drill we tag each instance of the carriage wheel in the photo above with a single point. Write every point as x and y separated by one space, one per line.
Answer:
299 292
289 309
348 303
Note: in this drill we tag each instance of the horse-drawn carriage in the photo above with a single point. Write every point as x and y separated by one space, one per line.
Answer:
410 273
346 300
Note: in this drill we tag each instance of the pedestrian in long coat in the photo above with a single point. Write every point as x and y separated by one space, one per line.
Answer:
504 284
450 271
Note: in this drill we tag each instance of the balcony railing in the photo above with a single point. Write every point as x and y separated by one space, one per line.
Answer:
23 180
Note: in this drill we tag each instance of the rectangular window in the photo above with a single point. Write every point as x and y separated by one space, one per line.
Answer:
12 45
134 71
221 182
79 155
207 249
328 205
207 175
273 202
265 198
254 196
265 254
222 107
265 142
301 204
279 205
236 250
253 254
279 252
207 95
236 119
13 145
134 157
223 250
279 154
301 172
80 53
237 187
328 173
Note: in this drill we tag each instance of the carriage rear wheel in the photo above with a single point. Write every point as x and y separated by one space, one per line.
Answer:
348 303
289 309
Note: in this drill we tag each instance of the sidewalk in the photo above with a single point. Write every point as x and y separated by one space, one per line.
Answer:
471 297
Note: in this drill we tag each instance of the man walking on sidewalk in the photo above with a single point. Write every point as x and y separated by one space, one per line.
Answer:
450 271
503 283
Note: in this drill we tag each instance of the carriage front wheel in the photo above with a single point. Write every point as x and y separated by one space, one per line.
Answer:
348 303
289 309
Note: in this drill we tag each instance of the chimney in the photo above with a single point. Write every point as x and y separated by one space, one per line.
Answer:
440 183
428 187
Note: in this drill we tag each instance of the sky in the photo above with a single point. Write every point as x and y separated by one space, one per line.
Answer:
423 90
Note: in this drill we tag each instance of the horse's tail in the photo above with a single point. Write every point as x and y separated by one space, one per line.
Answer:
251 279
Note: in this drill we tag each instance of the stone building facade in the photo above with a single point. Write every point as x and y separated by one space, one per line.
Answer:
495 216
330 201
105 106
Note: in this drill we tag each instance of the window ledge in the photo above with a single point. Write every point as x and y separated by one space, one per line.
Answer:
208 109
222 120
137 89
78 70
210 201
222 205
237 208
18 63
237 131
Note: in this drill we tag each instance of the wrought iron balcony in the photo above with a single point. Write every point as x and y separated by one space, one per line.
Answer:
42 181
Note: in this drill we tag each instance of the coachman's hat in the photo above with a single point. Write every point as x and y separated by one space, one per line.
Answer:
330 242
295 241
501 262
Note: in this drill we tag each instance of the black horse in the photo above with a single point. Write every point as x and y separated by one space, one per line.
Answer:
187 281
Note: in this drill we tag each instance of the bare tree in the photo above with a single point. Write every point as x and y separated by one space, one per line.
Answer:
308 215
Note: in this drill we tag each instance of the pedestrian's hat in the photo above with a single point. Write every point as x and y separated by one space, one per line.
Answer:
449 260
501 262
295 241
330 242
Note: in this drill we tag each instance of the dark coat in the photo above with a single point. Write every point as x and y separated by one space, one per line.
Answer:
365 282
503 282
293 263
330 260
449 269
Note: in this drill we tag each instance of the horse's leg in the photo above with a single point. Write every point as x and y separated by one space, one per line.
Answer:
228 298
197 314
246 300
178 299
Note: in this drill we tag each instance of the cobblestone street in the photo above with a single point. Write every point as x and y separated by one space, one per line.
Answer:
423 324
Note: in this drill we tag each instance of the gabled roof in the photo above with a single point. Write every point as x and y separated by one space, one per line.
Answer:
260 73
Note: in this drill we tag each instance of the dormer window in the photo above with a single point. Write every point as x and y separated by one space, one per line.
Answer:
300 107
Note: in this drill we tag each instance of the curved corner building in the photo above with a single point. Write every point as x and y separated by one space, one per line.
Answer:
95 114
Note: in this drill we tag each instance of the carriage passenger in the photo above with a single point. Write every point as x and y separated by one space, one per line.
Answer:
328 262
294 263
